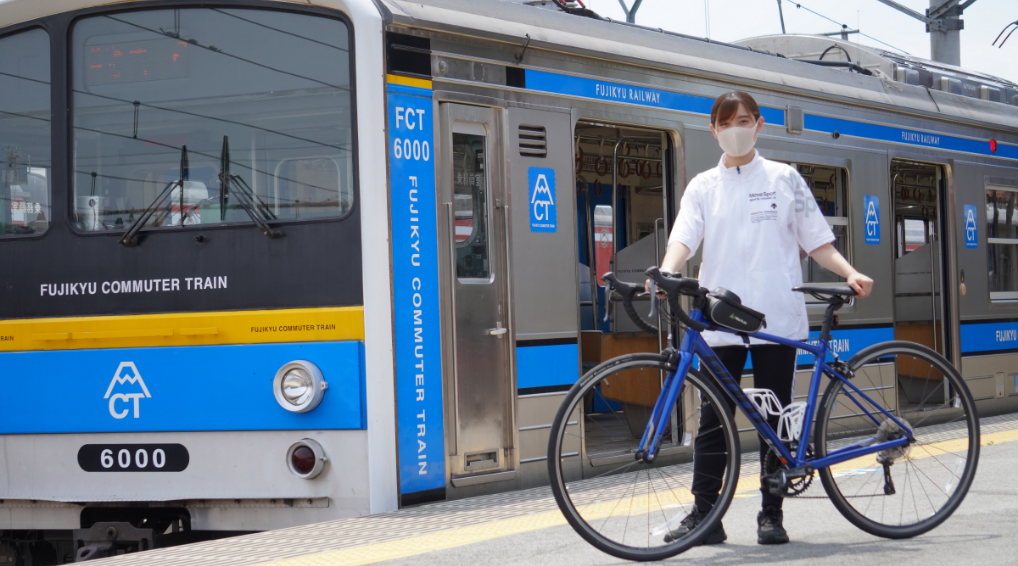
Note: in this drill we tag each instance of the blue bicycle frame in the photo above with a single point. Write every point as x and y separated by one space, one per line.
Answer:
694 344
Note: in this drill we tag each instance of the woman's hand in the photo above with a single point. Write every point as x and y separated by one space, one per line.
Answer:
675 257
863 285
827 256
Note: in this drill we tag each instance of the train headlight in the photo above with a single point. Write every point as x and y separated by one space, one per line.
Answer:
306 459
299 386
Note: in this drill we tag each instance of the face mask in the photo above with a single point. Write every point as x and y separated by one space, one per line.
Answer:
736 141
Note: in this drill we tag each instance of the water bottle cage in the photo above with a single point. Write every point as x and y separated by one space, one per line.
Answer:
789 417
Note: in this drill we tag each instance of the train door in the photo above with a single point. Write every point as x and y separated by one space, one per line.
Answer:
623 218
478 379
920 254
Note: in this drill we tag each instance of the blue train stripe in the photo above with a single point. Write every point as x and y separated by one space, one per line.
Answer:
177 388
998 336
639 95
547 366
642 95
907 136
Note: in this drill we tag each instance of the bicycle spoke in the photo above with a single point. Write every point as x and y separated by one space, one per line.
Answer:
925 479
631 505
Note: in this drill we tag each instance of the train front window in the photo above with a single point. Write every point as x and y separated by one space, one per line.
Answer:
169 103
1002 242
25 164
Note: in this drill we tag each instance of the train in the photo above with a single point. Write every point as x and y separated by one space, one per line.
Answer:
284 262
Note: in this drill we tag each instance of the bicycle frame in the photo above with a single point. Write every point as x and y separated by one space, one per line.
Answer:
694 344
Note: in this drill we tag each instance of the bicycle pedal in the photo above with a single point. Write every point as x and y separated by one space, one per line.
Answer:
774 484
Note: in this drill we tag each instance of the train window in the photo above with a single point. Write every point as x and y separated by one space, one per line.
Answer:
830 187
1002 242
470 191
169 103
25 164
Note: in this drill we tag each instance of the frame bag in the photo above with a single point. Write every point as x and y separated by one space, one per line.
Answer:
725 308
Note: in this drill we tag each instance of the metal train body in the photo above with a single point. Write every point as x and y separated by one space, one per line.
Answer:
480 154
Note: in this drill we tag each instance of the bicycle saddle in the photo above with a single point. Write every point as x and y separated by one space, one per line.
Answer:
830 293
832 289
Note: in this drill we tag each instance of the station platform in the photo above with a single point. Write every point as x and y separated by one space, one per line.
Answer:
445 525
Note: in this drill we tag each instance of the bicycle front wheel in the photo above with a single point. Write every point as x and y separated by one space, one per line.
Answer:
621 504
900 492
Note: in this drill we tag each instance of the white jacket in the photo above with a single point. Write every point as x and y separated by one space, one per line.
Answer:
752 221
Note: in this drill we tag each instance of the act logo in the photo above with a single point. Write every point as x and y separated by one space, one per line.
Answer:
971 230
542 199
872 220
127 374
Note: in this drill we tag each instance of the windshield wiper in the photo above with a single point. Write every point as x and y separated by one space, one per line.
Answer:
130 239
244 195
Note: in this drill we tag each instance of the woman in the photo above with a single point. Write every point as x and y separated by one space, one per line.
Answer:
753 216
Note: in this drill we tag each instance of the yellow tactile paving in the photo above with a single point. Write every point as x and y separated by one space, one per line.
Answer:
373 553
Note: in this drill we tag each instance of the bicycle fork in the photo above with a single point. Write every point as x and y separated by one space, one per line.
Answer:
650 443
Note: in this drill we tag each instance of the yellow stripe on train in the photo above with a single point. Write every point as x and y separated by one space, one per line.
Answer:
183 329
408 81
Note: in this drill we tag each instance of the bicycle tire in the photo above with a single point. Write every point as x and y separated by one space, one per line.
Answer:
952 410
581 520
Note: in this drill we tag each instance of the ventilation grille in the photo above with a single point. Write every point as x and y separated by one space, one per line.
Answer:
533 141
794 120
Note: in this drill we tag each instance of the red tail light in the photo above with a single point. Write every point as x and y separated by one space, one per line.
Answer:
303 459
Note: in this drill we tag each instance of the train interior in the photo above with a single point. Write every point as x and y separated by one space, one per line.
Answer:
622 224
918 252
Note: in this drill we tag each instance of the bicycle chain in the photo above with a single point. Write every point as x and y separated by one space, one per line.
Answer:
772 465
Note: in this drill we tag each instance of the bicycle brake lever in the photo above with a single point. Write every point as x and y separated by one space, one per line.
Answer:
653 300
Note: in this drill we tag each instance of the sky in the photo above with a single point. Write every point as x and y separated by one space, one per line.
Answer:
731 20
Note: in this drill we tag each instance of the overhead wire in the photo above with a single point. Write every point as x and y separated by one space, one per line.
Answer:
1015 24
305 38
214 49
185 112
176 148
845 26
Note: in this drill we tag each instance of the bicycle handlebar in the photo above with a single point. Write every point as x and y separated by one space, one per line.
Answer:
673 285
628 291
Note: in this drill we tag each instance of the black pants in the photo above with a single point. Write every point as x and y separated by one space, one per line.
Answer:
774 369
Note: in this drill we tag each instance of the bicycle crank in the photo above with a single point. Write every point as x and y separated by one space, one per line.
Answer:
785 482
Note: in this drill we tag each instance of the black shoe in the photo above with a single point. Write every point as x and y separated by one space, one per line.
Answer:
717 536
769 529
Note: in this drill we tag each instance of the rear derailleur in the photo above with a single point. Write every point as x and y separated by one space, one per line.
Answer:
887 431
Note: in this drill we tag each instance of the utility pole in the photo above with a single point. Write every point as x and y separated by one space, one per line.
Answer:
944 24
631 12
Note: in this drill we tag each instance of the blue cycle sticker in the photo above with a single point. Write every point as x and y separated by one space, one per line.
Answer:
541 181
871 205
418 332
971 228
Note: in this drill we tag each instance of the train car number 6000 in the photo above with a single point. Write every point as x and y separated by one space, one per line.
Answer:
133 458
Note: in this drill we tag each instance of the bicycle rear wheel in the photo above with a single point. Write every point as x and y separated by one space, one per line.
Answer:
621 505
928 477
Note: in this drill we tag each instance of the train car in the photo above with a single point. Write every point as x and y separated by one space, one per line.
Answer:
284 262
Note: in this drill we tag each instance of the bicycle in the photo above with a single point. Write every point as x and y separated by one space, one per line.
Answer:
882 473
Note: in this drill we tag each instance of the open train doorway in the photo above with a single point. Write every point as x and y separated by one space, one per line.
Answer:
920 253
624 212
